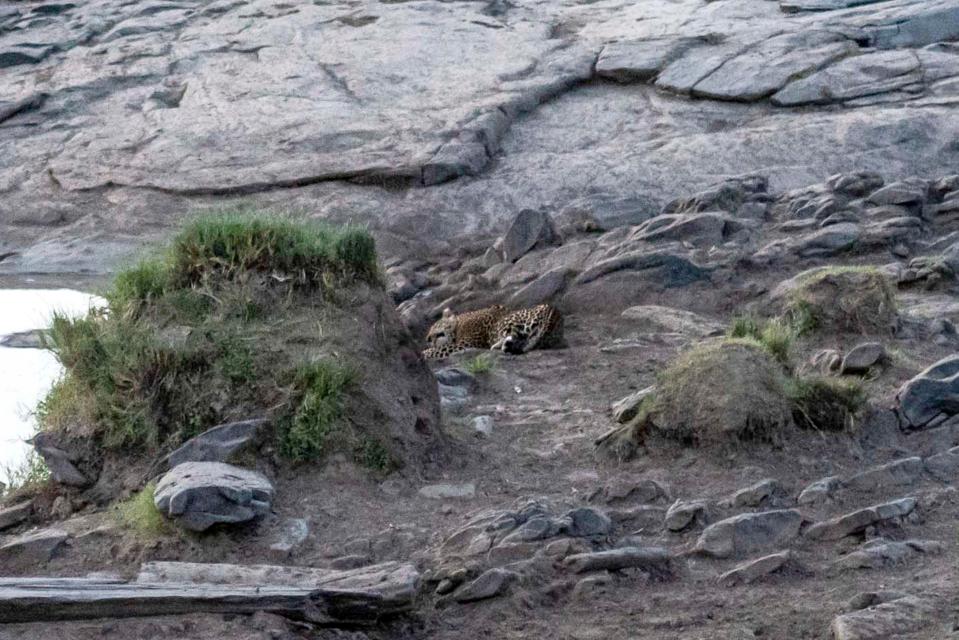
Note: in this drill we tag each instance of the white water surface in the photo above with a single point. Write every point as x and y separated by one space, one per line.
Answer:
27 374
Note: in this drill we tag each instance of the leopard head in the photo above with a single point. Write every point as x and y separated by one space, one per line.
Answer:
443 332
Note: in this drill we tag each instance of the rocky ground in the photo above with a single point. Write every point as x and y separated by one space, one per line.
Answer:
529 529
601 143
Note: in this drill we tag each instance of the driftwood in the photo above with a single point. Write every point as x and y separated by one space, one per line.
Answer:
356 597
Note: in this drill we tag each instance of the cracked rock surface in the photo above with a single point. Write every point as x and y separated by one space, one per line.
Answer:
116 120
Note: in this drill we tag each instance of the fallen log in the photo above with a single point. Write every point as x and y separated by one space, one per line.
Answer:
332 598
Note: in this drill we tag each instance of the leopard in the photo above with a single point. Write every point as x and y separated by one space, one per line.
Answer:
495 328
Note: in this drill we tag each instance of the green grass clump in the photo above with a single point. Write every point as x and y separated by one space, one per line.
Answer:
139 514
775 335
310 431
480 364
825 404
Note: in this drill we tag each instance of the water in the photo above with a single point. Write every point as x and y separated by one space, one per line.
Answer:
27 374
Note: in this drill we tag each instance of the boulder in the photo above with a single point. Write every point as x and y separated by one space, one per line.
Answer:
931 393
530 229
60 462
587 522
892 619
488 585
749 532
198 495
543 289
862 357
685 514
758 493
626 408
944 466
876 554
753 570
820 491
217 444
31 549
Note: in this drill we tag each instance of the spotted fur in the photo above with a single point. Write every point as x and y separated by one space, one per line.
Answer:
495 328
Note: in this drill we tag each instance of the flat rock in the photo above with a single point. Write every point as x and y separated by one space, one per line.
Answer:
753 570
14 515
199 495
652 318
881 553
640 60
863 356
857 521
35 547
944 466
651 559
217 444
488 585
897 473
445 491
530 229
543 289
932 392
887 620
749 532
853 77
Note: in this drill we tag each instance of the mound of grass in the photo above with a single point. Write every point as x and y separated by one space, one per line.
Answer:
842 299
200 334
140 515
480 364
825 404
776 335
720 392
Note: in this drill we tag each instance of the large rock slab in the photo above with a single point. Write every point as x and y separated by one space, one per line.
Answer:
857 521
749 532
854 77
199 495
32 548
217 444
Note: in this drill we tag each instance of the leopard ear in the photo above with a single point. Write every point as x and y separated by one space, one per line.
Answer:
447 313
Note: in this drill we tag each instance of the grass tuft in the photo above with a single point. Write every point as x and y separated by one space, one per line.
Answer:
309 432
139 514
776 336
28 477
480 364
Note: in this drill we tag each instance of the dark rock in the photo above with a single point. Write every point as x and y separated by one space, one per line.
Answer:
932 392
60 462
863 356
586 522
199 495
217 444
651 559
668 269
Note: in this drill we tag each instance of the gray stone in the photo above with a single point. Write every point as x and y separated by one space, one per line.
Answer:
455 377
820 491
199 495
857 521
444 491
587 522
670 270
863 356
700 229
753 570
899 473
638 61
60 462
650 318
944 466
684 514
23 339
853 77
749 532
633 489
654 560
876 554
591 587
530 229
758 494
932 392
891 619
217 444
696 64
483 425
30 549
855 184
911 192
627 408
14 515
762 70
542 290
829 241
488 585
